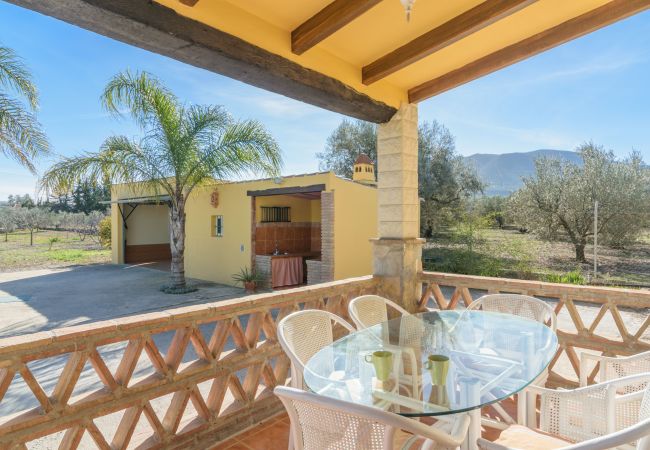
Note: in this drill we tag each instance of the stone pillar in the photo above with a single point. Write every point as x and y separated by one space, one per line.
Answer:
327 237
397 253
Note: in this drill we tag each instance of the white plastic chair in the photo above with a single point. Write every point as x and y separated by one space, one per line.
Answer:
614 414
519 305
529 308
303 333
325 423
369 310
610 368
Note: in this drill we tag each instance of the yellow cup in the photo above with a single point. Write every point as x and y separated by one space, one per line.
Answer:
438 366
383 362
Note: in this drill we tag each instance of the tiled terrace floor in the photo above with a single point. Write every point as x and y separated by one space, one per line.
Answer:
274 434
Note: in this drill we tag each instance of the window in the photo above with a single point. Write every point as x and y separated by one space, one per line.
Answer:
276 214
217 226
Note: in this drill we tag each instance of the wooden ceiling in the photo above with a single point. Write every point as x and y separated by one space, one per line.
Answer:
358 57
445 44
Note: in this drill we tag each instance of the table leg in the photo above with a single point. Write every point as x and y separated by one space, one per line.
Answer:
470 393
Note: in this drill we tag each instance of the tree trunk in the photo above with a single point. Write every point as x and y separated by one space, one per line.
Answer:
580 252
31 237
177 243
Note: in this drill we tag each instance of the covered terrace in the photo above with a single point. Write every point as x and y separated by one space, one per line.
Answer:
363 58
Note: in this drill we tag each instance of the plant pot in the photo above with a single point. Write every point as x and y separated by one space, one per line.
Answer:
250 286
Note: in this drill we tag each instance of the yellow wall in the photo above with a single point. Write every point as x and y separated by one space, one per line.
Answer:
218 258
355 223
302 210
148 224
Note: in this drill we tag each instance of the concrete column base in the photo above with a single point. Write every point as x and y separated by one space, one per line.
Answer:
396 263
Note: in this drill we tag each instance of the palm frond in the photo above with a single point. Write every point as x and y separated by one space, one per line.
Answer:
14 75
118 161
244 147
21 137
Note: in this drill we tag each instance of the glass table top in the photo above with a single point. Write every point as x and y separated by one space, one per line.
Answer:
434 363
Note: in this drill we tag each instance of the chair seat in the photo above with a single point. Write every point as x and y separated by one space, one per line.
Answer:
520 437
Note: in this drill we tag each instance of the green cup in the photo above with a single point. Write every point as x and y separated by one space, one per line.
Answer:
438 366
383 362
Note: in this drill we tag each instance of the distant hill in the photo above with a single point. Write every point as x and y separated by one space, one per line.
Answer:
503 173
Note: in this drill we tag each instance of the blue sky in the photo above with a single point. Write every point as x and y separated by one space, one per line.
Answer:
592 88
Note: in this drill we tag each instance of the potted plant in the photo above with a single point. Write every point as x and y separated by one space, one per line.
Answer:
250 279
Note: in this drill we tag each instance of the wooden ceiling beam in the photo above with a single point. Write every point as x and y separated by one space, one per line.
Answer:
469 22
326 22
189 2
153 27
579 26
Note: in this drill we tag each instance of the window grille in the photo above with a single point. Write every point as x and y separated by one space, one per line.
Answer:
276 214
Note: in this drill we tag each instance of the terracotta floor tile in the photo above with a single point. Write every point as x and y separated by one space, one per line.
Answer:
273 437
229 444
238 446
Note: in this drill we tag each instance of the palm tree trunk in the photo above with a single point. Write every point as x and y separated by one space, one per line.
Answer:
177 243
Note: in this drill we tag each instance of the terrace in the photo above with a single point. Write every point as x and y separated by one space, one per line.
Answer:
202 376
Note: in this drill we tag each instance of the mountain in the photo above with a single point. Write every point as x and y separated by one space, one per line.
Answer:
503 173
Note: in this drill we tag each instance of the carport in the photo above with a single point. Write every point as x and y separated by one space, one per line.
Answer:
145 229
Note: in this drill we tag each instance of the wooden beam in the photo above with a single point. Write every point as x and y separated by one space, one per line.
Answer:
153 27
579 26
189 2
461 26
326 22
287 190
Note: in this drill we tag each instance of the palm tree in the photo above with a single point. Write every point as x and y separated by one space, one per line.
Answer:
183 147
21 137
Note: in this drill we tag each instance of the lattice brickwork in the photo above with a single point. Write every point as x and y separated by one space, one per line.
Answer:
183 378
599 320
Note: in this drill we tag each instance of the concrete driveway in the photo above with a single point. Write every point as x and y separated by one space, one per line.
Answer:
40 300
44 299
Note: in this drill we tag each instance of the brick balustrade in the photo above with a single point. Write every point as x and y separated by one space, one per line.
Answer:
192 376
601 320
214 378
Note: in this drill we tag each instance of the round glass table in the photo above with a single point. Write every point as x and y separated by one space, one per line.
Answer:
434 363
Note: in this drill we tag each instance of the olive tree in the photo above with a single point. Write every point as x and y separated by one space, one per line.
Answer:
31 219
8 221
558 199
445 181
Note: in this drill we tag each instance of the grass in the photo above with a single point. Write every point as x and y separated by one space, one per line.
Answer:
508 253
50 249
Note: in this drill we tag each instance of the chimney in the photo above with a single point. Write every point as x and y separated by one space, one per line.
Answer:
364 171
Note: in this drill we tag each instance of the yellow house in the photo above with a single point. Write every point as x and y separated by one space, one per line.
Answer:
297 229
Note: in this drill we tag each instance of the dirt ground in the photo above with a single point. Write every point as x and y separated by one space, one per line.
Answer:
517 250
50 249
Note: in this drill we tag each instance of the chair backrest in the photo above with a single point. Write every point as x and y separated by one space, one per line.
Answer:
637 435
518 305
368 310
616 410
303 333
320 422
612 368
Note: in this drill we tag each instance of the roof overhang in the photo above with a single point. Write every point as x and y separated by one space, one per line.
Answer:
304 191
357 57
151 200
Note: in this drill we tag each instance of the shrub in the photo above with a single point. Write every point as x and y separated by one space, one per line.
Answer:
105 232
52 241
573 277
